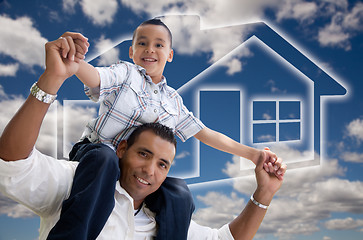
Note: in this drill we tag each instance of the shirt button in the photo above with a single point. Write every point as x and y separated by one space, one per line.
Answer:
156 91
155 110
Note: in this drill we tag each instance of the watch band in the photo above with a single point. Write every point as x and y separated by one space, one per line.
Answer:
41 95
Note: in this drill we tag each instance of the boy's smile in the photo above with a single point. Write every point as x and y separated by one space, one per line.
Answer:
151 50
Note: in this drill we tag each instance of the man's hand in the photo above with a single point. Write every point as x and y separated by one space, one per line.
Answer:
268 181
62 59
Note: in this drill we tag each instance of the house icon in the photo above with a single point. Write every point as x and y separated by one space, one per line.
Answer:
261 91
278 96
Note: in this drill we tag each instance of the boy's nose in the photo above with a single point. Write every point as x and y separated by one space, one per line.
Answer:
149 49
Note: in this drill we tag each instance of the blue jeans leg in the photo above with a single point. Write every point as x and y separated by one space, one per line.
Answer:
90 203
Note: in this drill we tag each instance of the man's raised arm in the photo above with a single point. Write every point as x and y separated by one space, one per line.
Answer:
247 223
62 61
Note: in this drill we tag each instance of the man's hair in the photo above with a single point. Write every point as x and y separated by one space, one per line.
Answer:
158 129
158 22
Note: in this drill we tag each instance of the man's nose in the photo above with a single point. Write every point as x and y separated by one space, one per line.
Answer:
149 168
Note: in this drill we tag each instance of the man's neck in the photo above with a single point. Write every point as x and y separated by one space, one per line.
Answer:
138 204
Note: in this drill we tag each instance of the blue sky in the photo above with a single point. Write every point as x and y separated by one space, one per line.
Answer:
281 73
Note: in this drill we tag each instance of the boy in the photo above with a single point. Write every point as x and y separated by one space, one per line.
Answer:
130 95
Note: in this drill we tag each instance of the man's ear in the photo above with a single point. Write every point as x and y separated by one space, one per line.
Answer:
121 148
171 54
131 52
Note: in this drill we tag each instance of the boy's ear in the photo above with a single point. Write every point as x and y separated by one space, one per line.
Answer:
171 54
121 148
131 52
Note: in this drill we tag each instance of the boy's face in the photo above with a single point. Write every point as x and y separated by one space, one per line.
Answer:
151 50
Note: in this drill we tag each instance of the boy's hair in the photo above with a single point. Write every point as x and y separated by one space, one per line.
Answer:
158 129
158 22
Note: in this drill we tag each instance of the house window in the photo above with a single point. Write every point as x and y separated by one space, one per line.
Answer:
276 121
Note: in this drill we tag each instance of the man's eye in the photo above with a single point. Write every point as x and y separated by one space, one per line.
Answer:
143 154
163 165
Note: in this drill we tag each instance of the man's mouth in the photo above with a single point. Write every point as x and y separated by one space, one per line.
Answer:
142 181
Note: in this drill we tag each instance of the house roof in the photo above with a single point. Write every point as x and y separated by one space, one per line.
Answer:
324 83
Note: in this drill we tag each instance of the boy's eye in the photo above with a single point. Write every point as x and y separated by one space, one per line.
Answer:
159 45
141 43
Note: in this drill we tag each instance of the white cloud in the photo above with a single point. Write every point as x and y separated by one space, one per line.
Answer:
190 39
69 5
183 154
355 129
16 35
299 10
344 224
101 12
334 35
8 70
312 194
110 53
353 20
344 22
343 26
224 209
266 116
73 130
352 157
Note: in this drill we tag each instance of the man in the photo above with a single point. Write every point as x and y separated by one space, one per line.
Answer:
43 183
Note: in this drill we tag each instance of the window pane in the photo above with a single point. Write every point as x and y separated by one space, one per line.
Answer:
264 132
264 110
289 131
289 110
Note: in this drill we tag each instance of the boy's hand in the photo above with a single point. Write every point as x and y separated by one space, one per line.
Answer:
75 46
272 164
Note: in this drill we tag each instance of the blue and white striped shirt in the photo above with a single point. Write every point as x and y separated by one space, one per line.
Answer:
128 98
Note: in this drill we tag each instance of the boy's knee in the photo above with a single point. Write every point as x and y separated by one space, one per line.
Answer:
100 156
178 189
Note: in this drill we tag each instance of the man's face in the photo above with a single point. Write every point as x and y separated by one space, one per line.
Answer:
144 165
151 50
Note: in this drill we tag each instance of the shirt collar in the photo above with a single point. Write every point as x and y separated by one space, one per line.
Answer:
161 84
120 190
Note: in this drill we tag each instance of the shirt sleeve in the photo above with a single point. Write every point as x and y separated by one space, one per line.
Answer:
111 78
198 232
39 182
188 125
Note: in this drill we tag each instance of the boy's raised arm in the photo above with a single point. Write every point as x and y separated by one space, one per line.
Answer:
88 75
86 72
226 144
